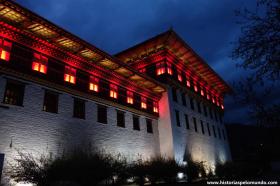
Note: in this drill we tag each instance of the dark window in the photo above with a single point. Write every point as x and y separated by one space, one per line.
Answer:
219 133
202 126
50 102
102 114
1 163
224 135
136 123
79 108
208 128
194 123
205 110
191 103
120 119
184 100
187 121
14 93
174 94
198 106
177 118
214 131
149 126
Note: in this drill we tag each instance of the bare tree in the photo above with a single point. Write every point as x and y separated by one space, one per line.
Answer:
258 49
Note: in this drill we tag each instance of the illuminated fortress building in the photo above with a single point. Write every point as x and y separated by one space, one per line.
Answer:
60 92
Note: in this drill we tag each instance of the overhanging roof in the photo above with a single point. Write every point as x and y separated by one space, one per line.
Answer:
30 22
173 43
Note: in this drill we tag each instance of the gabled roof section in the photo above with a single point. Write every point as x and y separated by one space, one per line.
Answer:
31 23
173 43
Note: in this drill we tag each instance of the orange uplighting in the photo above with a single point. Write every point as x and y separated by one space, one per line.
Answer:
129 97
5 50
40 63
113 91
70 75
93 84
169 69
155 109
143 103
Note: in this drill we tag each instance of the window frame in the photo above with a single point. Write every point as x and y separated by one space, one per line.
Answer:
77 109
136 125
120 118
54 100
100 119
19 95
149 126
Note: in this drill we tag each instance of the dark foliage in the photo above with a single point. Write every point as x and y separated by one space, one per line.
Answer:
240 170
259 44
76 168
258 49
194 169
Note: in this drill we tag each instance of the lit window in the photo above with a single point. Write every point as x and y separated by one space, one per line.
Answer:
143 70
143 103
202 92
169 69
223 107
129 97
40 63
213 100
188 83
208 96
218 104
195 88
5 50
160 68
155 107
179 76
93 84
70 75
113 91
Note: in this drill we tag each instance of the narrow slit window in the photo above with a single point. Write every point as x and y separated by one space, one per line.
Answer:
188 82
113 91
160 68
70 75
202 91
5 50
40 63
143 103
169 69
155 105
129 98
93 84
180 76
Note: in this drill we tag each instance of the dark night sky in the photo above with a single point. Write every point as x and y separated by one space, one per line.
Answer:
208 27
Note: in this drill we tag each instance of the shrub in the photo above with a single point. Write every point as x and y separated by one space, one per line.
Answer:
157 169
194 169
76 168
238 170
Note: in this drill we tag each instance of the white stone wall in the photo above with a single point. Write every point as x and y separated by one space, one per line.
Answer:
201 147
30 129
